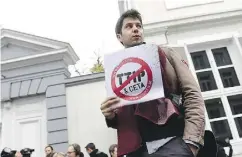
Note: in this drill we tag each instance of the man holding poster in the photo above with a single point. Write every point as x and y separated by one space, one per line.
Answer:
150 119
135 75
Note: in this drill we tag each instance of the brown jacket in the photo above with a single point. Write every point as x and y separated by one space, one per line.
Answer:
182 82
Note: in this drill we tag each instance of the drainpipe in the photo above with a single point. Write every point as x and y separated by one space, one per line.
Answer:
166 32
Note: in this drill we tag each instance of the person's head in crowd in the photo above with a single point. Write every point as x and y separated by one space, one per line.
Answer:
59 154
48 149
90 148
50 154
18 154
8 152
93 151
74 150
113 150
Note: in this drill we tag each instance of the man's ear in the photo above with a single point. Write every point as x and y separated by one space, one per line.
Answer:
119 36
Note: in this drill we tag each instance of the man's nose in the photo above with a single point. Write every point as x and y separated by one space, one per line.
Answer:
135 29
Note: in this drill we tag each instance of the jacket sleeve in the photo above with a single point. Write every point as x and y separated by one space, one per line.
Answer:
112 123
193 102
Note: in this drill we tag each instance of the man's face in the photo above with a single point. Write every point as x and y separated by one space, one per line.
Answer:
131 32
88 150
71 152
48 150
18 154
115 153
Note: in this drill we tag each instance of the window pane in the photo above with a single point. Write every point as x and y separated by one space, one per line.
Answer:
238 122
229 77
221 129
215 108
235 103
221 56
206 81
200 60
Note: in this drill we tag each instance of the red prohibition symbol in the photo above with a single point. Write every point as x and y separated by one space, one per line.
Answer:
144 68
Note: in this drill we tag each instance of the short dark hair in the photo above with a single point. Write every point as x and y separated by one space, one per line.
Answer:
132 13
49 146
91 146
112 147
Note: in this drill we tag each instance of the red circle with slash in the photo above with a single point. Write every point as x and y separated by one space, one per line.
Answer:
144 67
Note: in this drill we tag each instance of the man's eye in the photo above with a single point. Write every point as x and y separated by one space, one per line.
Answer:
128 26
138 26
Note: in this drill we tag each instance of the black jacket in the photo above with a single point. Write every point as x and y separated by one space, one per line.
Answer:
97 153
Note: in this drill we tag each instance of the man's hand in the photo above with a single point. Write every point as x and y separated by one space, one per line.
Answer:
107 109
193 148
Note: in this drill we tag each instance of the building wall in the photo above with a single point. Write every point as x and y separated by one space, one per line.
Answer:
195 31
166 10
85 121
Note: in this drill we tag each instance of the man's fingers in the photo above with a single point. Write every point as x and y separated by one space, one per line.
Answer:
109 103
109 98
106 114
107 110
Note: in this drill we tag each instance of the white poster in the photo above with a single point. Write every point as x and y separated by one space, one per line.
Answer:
134 74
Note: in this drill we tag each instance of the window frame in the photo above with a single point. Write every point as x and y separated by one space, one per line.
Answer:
221 92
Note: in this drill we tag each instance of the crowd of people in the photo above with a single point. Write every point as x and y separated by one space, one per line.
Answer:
74 150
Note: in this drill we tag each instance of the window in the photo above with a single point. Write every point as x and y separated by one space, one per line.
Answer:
200 60
215 73
235 103
221 56
223 64
206 81
204 71
218 119
229 77
215 108
221 129
227 74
